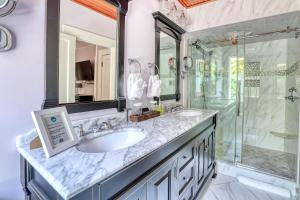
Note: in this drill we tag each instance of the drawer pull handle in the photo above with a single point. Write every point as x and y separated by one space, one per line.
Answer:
184 157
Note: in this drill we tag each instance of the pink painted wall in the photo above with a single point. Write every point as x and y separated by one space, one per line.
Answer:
22 83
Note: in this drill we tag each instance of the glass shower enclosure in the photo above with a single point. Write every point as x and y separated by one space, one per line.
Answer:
253 79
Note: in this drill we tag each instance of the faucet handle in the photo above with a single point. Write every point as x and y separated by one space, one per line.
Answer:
112 122
81 131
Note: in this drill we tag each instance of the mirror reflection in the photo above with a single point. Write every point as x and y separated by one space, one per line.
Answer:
167 64
87 51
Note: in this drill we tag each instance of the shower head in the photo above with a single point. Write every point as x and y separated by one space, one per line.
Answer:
197 44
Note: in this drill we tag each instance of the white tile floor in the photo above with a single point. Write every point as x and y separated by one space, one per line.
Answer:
228 188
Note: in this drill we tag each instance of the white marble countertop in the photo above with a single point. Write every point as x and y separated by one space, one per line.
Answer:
72 171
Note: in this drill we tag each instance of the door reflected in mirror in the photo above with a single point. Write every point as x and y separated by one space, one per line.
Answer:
87 51
167 64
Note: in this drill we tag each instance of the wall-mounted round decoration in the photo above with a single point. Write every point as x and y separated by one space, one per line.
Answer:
7 7
172 63
5 39
187 63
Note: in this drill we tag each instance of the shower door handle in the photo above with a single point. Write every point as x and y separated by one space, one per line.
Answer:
238 107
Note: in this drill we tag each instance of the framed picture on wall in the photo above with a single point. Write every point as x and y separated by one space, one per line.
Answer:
55 130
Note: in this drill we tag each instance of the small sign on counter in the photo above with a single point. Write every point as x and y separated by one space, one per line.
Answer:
55 130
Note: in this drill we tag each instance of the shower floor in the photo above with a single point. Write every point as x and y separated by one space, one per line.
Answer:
270 161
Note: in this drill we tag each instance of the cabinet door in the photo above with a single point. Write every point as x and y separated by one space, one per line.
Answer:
161 186
200 161
210 150
139 193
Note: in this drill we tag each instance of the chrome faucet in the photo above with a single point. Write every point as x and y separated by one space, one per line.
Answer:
176 108
81 131
105 126
97 128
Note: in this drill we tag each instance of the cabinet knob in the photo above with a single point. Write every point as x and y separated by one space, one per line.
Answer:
184 157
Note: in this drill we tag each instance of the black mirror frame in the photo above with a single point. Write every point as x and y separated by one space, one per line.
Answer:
164 24
52 61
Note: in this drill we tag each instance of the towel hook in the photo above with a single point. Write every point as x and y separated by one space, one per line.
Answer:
150 65
134 61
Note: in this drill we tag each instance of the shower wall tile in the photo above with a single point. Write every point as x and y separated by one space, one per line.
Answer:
269 111
264 112
292 108
223 12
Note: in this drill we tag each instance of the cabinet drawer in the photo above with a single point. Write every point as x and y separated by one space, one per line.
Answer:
138 192
188 194
186 177
186 156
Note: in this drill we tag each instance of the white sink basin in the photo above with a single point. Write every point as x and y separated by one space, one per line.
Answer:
189 113
119 139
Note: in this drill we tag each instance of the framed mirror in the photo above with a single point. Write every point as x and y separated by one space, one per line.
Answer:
85 54
167 55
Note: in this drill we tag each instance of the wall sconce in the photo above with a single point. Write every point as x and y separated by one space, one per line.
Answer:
7 7
5 39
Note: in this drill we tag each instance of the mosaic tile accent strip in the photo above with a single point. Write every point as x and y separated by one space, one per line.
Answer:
255 73
293 68
252 83
252 67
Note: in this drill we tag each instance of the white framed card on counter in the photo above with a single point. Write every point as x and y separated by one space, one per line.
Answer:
55 130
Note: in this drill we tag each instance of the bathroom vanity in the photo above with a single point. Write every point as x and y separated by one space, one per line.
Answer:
174 161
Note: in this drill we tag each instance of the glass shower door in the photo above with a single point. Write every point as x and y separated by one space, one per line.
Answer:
268 124
213 84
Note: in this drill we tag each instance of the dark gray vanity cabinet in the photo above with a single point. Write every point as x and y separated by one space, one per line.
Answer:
137 193
205 156
182 176
177 170
161 185
210 149
200 161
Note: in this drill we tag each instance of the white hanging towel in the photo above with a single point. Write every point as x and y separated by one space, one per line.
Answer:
154 86
135 86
